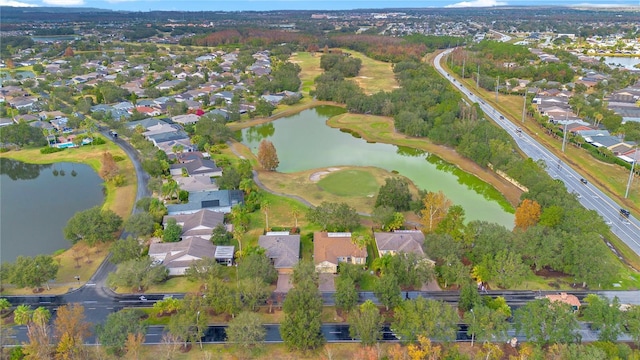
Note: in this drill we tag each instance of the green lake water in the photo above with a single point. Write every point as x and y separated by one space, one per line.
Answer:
304 141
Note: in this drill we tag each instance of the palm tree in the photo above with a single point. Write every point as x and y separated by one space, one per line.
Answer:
295 212
170 188
265 207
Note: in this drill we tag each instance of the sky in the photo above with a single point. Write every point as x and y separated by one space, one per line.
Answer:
262 5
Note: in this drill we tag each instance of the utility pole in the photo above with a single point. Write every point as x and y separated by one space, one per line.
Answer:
564 135
635 160
497 84
463 64
524 105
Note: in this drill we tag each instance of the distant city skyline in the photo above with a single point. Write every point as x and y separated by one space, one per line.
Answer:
266 5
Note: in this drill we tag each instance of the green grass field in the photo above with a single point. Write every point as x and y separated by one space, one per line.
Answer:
352 182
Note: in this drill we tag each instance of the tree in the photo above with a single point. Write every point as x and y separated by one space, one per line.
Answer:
267 156
187 324
605 317
506 268
137 273
387 291
140 224
394 194
39 346
170 189
334 216
253 292
302 323
631 319
545 322
133 344
124 250
430 318
346 296
109 168
527 214
424 349
172 231
246 330
203 269
32 271
469 297
92 225
220 235
114 331
303 271
366 324
435 209
453 271
486 325
68 52
71 329
257 265
410 269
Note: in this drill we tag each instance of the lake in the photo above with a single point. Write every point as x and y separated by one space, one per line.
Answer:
36 201
304 142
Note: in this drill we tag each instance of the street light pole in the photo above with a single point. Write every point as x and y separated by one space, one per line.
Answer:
524 105
633 164
473 333
564 133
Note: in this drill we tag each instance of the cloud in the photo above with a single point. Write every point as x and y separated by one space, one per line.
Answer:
16 3
477 3
64 2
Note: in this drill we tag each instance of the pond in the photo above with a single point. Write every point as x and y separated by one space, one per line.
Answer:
625 62
36 201
304 142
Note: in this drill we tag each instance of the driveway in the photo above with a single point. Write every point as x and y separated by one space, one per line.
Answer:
284 283
327 282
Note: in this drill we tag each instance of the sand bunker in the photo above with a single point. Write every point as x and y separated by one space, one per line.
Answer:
316 176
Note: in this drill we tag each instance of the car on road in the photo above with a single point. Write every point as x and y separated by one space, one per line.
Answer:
583 180
143 298
501 117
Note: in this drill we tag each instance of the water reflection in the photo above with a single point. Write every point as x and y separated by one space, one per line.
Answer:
17 170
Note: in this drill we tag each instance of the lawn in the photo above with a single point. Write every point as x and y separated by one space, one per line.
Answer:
80 260
374 75
301 184
351 182
310 69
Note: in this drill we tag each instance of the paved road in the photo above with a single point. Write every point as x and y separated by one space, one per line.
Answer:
628 230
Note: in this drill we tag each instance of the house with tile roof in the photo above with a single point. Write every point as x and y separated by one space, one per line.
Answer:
565 298
283 250
330 249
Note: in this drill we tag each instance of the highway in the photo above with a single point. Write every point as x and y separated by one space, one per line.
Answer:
627 229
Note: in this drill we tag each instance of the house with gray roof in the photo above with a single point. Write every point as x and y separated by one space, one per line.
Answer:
200 223
220 200
283 250
160 138
197 167
145 123
179 256
186 119
399 241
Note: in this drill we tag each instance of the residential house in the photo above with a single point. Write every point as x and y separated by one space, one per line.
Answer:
330 249
145 123
565 298
197 167
168 85
147 110
283 250
179 256
5 121
186 119
221 201
160 129
200 223
171 145
405 241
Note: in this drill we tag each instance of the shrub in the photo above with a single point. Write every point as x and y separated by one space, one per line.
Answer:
50 150
98 141
118 158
